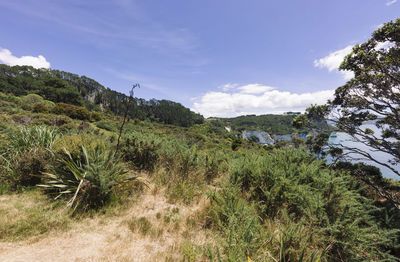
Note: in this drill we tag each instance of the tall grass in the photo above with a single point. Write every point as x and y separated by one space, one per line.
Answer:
26 138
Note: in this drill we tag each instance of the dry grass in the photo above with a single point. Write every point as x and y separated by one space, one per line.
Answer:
139 232
30 214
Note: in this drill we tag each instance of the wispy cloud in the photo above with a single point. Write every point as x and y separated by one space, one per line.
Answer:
256 99
133 25
391 2
8 58
333 61
145 81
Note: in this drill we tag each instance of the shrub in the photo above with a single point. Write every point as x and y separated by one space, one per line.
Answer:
40 108
24 169
61 120
236 143
11 98
31 99
95 116
327 202
238 223
76 112
142 154
88 184
73 144
107 126
21 118
3 123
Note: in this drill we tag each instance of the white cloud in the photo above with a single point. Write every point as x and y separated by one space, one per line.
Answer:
391 2
8 58
333 61
255 89
384 45
256 99
228 86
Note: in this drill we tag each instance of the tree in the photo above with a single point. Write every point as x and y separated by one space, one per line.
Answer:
373 94
128 104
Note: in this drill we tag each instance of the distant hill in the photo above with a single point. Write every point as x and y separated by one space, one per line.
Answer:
273 124
64 87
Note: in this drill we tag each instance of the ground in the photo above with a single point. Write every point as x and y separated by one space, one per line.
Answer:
150 229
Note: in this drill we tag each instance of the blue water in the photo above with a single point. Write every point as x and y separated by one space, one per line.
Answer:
347 140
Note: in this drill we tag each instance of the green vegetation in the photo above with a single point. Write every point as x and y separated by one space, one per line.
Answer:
288 199
259 203
71 92
88 184
370 97
273 124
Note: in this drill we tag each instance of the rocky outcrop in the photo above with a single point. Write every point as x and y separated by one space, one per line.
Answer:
257 136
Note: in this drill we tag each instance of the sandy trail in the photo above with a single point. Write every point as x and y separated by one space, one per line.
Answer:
112 239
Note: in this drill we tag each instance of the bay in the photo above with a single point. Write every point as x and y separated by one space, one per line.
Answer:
346 140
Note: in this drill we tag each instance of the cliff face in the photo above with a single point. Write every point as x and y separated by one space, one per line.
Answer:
262 137
257 136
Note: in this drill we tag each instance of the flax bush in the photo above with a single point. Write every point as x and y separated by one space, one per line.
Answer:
88 184
26 155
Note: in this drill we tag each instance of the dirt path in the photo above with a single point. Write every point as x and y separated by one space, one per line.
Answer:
116 238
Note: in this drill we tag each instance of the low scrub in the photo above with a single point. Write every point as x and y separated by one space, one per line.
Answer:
141 153
288 201
76 112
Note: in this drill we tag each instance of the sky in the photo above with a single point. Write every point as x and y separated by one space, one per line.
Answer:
218 57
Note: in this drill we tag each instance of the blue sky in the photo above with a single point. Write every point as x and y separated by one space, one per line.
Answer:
218 57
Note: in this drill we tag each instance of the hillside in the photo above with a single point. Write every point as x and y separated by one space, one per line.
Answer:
272 123
169 192
63 87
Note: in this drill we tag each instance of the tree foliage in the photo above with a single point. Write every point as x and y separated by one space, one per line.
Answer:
372 95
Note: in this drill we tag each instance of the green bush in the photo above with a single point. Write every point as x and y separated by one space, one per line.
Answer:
109 126
40 108
142 154
73 143
88 184
238 223
11 98
326 203
32 99
95 116
24 169
76 112
61 120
